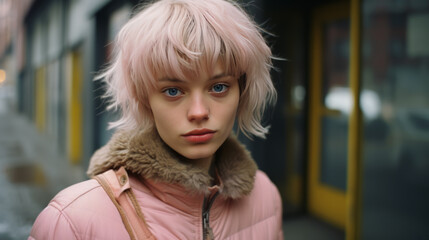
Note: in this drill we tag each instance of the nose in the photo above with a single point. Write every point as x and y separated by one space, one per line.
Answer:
198 109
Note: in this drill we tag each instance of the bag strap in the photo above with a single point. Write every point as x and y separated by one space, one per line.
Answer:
116 185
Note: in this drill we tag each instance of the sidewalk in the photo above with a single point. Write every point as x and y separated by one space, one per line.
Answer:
32 172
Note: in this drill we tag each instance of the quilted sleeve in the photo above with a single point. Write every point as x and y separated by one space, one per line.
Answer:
52 224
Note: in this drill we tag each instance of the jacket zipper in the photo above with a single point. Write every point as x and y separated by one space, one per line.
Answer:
207 230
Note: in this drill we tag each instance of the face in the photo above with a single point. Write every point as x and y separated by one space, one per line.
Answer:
195 116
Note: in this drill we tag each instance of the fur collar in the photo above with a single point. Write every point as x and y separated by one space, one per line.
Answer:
144 153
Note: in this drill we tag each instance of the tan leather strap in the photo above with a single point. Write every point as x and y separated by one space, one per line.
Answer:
116 185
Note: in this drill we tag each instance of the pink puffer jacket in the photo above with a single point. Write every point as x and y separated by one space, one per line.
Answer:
171 195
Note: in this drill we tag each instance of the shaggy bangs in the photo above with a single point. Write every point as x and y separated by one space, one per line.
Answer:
180 39
185 39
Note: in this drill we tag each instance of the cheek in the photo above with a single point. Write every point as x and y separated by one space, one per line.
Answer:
162 118
235 101
229 110
158 112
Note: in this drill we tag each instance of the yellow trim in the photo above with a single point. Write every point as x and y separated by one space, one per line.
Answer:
354 173
40 103
323 201
75 108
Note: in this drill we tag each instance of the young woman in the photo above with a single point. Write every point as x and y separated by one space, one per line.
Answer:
184 72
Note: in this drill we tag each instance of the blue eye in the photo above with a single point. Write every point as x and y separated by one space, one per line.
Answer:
219 88
172 92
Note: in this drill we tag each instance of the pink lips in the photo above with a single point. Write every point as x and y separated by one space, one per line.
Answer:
199 135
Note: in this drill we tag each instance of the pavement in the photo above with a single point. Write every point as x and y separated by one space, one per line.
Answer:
31 173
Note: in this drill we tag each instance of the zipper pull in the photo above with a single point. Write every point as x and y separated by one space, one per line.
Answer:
208 232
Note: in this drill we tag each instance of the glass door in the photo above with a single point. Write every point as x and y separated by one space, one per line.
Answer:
330 107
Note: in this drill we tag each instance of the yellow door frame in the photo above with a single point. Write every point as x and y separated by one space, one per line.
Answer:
342 209
324 201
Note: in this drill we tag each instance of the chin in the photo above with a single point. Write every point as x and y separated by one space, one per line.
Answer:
195 154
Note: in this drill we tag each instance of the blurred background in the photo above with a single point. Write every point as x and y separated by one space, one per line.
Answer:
349 141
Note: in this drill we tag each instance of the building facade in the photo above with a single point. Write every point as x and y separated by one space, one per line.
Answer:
349 139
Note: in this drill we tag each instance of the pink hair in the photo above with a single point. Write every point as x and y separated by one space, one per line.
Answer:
176 38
